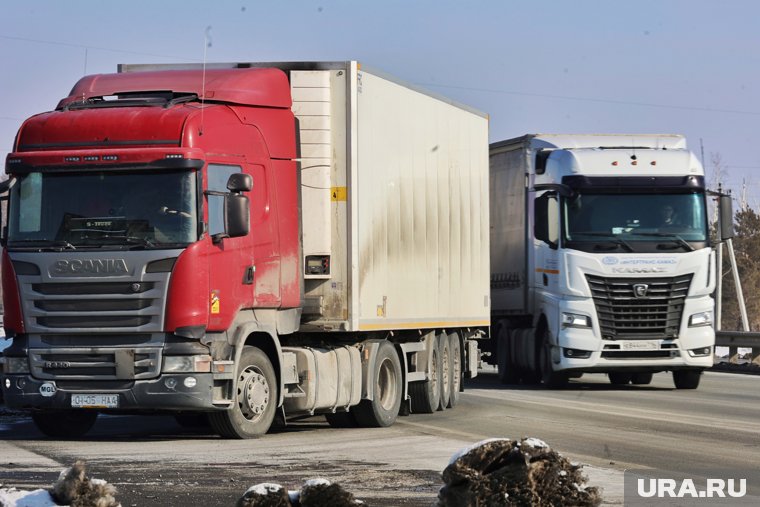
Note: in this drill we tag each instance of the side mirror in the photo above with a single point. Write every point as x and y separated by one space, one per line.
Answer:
236 215
240 182
546 223
726 217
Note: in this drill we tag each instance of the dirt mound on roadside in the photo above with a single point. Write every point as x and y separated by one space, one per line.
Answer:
503 472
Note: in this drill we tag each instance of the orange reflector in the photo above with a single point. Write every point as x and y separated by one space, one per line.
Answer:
633 162
615 163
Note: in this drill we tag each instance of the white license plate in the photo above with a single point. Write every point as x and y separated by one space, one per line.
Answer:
641 345
95 400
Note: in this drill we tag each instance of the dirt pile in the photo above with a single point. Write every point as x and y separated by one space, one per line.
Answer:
503 472
314 493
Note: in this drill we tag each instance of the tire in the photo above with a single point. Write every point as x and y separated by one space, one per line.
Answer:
455 369
642 379
341 420
255 403
442 342
65 423
549 378
426 395
687 379
508 372
382 410
619 379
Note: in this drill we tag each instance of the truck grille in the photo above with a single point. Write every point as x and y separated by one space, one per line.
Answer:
96 363
643 308
101 306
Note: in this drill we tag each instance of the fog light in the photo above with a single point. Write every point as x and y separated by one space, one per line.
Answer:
577 353
170 383
700 352
21 382
7 383
16 365
190 382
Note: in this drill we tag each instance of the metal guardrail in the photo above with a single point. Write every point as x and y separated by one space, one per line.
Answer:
736 339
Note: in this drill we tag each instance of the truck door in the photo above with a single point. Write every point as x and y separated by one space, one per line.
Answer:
231 259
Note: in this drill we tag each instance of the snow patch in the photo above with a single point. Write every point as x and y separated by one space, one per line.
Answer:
462 452
264 488
536 443
317 482
12 497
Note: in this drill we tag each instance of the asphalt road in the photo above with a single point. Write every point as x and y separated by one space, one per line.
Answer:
152 461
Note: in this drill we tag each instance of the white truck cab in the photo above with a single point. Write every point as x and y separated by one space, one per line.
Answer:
600 259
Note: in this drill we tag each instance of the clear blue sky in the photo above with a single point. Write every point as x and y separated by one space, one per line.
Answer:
664 66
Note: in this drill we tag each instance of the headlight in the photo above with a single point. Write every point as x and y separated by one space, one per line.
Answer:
187 364
575 320
701 319
16 365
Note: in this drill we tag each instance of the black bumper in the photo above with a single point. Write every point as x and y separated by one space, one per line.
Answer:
26 392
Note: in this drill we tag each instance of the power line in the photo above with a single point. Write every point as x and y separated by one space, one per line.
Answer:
87 46
591 99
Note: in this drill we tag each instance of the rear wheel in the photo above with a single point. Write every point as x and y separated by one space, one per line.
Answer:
642 379
455 369
426 395
382 410
65 423
508 372
442 342
255 403
619 379
549 377
687 379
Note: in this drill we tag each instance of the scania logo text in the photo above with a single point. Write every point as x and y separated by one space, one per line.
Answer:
89 267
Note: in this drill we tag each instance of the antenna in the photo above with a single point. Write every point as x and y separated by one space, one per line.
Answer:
206 45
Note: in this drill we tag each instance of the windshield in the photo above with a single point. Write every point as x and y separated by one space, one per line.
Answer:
97 209
626 221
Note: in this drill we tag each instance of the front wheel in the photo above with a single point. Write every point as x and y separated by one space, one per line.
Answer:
687 379
549 377
65 423
255 402
382 409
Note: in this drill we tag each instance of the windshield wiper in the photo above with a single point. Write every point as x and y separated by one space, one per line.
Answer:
612 238
134 241
52 244
675 237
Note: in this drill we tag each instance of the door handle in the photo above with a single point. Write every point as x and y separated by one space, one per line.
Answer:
248 276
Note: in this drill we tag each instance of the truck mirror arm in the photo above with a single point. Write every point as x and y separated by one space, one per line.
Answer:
560 188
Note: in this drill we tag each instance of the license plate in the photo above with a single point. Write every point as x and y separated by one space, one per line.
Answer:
641 345
95 400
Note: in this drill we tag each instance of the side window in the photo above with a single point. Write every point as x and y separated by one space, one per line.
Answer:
217 181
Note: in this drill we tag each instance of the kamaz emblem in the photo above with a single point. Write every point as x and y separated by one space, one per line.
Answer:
90 267
640 290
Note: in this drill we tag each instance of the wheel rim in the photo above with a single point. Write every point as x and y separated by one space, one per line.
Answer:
253 393
386 385
434 371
